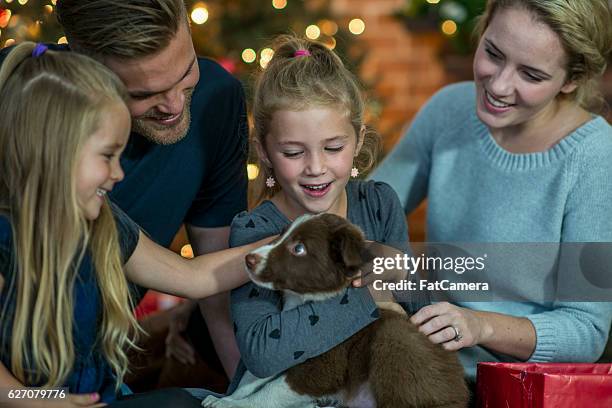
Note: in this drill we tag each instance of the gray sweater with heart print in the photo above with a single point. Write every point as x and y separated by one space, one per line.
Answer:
271 340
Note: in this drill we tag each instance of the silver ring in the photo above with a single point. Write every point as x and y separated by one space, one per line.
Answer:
458 335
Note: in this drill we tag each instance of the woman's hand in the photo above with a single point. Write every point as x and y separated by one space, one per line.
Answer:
452 326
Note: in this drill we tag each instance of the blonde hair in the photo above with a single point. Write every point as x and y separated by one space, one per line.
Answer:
291 82
585 32
50 105
119 28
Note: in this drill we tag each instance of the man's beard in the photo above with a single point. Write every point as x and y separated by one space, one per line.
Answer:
161 134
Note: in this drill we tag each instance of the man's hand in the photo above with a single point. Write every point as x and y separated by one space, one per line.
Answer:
176 345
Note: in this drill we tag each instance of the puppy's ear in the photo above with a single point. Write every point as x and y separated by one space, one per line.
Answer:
348 248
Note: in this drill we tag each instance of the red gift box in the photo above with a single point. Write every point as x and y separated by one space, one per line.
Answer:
544 385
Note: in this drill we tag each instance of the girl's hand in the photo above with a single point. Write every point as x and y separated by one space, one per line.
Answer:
452 326
177 345
76 400
382 297
377 250
363 280
71 401
366 276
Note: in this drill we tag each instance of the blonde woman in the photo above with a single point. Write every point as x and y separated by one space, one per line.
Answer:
517 156
65 252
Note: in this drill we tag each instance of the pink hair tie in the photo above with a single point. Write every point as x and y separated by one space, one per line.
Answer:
301 53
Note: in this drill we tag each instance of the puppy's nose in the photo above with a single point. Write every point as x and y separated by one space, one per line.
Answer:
252 260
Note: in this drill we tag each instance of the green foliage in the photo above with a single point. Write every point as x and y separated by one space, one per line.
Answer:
423 15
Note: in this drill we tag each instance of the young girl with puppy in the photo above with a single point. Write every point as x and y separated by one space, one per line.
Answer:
311 141
66 253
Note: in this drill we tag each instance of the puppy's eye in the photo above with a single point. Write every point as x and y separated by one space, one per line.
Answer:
298 249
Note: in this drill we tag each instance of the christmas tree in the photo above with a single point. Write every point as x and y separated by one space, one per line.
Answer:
456 19
237 33
240 32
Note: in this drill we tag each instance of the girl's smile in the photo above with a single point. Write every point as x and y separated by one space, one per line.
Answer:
316 190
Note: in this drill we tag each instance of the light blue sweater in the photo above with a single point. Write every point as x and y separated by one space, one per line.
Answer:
479 192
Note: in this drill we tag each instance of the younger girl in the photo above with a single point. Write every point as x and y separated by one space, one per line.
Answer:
66 312
311 139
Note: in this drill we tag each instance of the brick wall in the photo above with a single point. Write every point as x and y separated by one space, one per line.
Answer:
405 68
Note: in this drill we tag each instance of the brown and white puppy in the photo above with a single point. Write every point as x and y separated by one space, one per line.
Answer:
317 258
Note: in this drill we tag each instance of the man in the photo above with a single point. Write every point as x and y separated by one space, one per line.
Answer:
186 157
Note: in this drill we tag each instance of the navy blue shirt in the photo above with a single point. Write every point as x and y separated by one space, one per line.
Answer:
91 372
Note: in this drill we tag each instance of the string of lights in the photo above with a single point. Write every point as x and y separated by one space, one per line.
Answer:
22 20
455 19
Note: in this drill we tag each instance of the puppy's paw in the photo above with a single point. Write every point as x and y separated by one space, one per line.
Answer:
214 402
